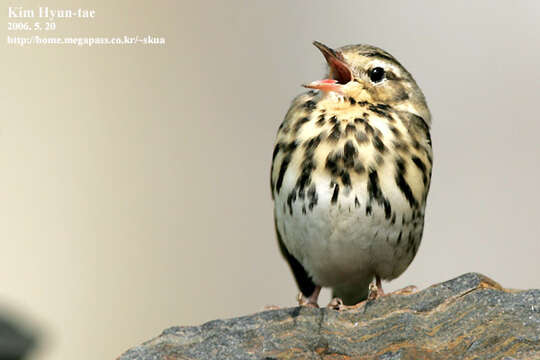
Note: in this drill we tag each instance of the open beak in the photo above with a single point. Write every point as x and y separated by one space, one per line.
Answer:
339 74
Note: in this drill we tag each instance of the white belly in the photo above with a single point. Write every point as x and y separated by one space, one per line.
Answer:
339 244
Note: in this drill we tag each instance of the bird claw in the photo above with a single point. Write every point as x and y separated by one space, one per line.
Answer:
304 301
336 304
376 291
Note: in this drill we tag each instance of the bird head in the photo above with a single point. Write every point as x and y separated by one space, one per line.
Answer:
367 73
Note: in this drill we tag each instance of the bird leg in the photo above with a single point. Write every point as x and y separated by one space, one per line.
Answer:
310 301
375 290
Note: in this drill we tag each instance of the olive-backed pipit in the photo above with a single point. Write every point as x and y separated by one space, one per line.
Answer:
350 175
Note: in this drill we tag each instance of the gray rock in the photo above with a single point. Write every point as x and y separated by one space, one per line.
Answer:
470 317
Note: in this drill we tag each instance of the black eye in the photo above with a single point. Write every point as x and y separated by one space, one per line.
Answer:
376 74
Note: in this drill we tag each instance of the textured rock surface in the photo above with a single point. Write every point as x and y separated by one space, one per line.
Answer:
470 317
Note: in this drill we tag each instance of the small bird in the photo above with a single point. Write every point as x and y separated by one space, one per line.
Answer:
351 170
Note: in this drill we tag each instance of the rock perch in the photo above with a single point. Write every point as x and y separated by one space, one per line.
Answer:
469 317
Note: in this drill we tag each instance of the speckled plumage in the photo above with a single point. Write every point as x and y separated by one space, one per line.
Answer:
350 177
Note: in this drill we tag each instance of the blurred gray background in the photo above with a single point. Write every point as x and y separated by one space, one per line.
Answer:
134 181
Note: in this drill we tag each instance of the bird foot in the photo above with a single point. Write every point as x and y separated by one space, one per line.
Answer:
375 291
310 301
271 307
306 301
336 304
